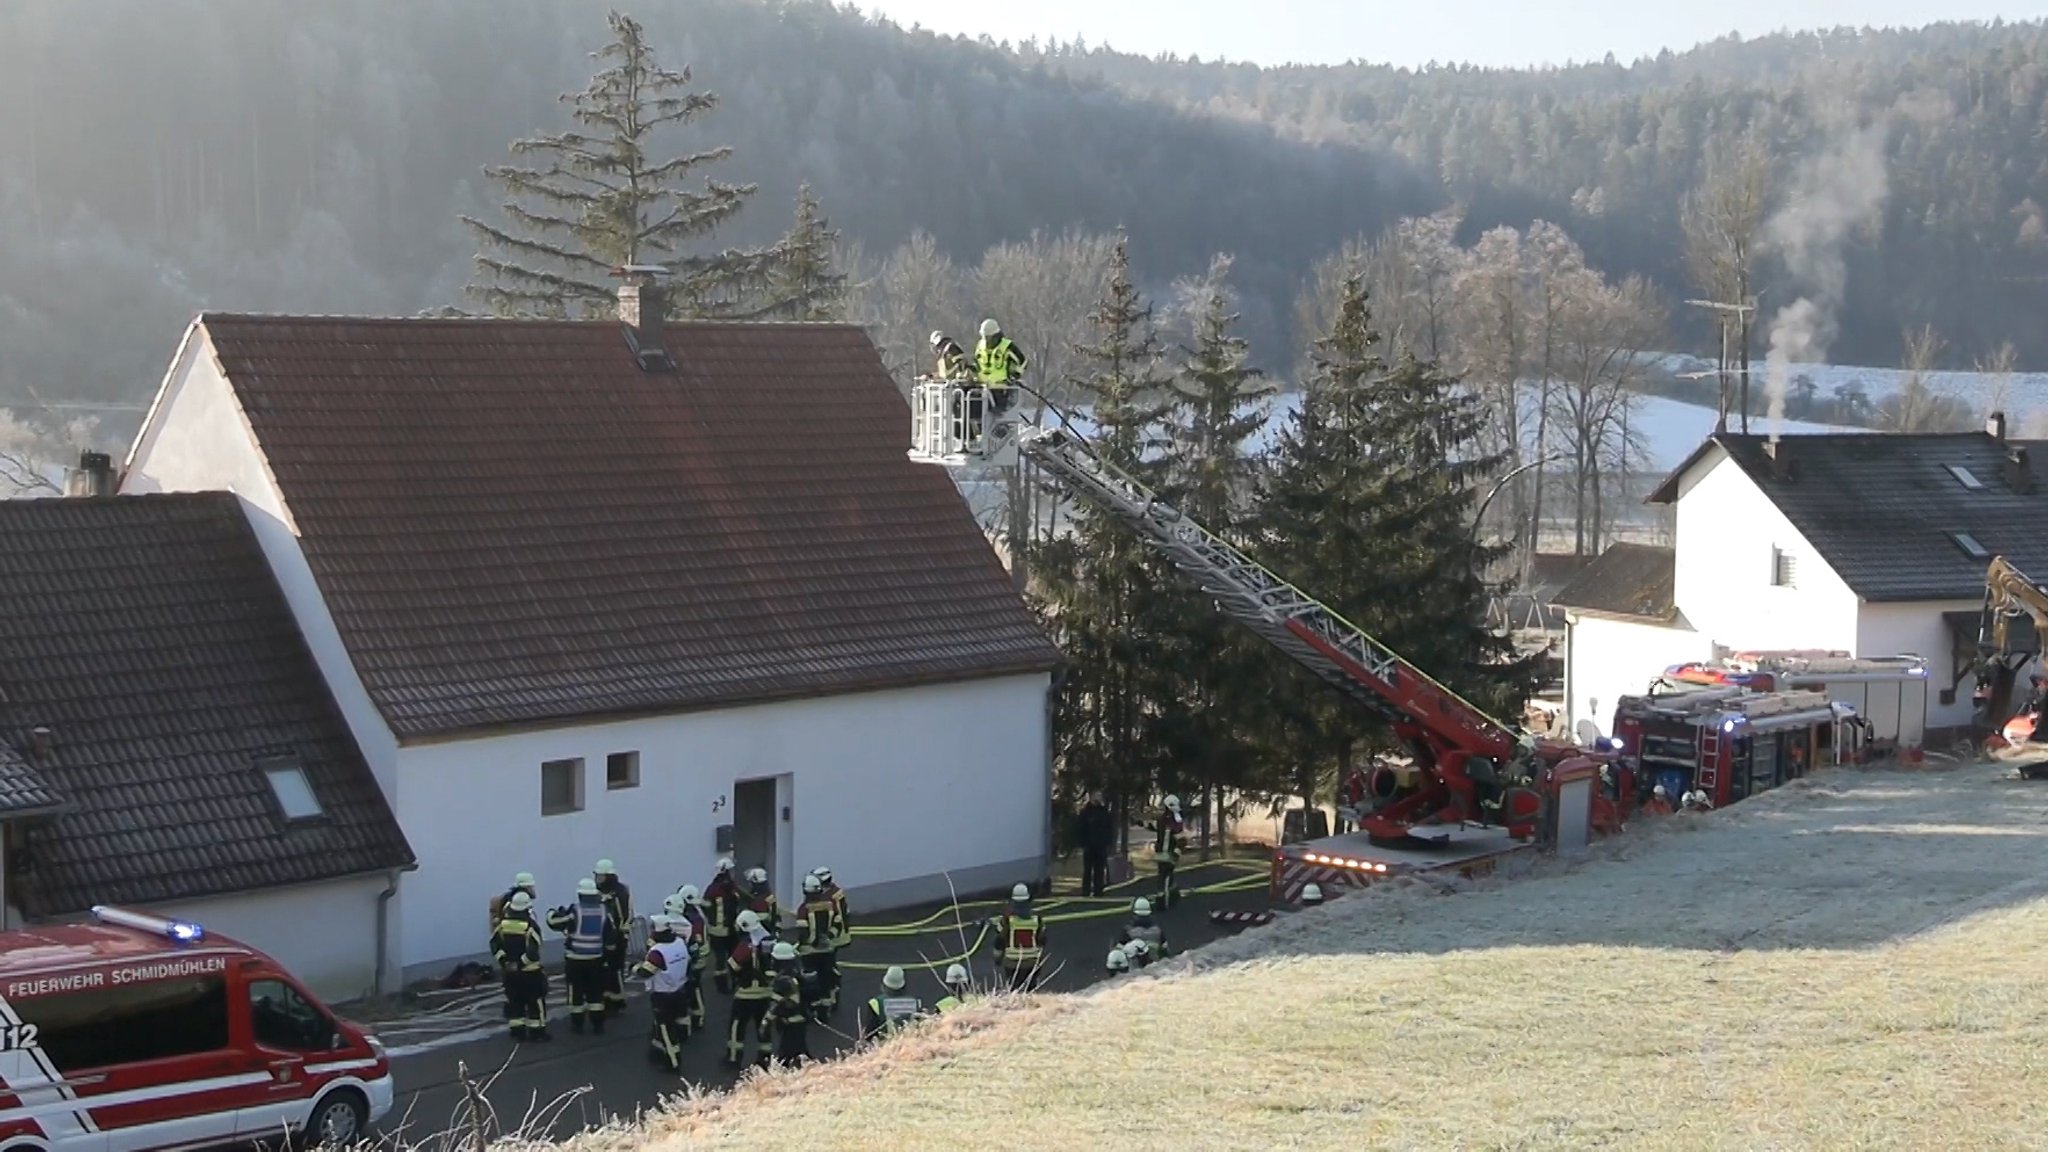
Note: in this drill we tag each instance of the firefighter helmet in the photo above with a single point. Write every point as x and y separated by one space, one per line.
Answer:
673 906
605 868
938 338
659 923
811 883
1139 948
1173 803
784 951
1141 907
893 979
824 875
757 875
747 921
1311 894
586 887
956 974
1118 960
724 864
519 902
990 329
523 880
1659 792
1020 893
688 894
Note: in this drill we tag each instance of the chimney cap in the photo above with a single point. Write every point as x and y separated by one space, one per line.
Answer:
628 270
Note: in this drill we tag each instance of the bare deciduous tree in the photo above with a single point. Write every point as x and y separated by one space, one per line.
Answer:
1998 371
1723 224
1919 404
1609 333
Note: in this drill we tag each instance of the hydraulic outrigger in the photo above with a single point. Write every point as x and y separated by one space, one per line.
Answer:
1475 769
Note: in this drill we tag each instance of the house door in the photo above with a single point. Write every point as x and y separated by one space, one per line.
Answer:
753 827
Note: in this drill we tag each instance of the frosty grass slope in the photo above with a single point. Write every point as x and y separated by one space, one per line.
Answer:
1857 961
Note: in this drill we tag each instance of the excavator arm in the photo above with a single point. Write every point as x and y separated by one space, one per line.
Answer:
2008 595
1475 768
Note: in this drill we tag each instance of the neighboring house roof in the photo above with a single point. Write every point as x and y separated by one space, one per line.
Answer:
23 791
514 524
1901 517
149 637
1635 580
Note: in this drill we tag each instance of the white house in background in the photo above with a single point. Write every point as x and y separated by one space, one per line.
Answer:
1872 544
1622 628
646 592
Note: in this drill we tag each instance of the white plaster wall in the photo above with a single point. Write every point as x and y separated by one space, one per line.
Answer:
325 934
197 440
1606 659
1917 629
885 787
1726 529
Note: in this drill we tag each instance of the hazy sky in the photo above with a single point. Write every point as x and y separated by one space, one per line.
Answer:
1490 32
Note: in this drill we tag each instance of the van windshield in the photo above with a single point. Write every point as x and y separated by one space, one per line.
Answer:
127 1024
280 1017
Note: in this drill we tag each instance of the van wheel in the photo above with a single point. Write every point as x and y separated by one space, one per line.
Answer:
338 1122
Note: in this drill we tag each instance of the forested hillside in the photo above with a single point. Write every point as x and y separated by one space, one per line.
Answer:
166 155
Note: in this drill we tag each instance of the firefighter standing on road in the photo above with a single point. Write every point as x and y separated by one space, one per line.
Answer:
520 883
1166 848
723 903
832 889
753 976
1020 942
891 1010
516 946
760 900
686 909
618 903
789 1009
586 928
818 920
667 969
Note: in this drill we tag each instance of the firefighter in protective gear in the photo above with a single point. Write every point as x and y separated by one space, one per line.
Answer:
587 938
952 361
1311 895
1139 953
1020 942
1166 848
667 970
999 368
1118 963
817 919
957 988
789 1009
753 977
1660 802
515 944
722 905
832 889
1143 927
618 903
892 1010
688 920
760 900
521 883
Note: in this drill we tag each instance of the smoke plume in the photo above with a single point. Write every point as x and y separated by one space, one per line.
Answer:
1834 195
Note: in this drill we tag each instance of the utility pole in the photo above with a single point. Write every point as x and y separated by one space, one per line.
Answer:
1731 318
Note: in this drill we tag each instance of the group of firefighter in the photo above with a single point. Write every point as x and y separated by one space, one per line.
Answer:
996 364
731 930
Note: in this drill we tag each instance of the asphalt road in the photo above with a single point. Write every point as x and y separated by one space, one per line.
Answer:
574 1082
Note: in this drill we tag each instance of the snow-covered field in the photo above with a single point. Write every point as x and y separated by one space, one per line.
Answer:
2024 392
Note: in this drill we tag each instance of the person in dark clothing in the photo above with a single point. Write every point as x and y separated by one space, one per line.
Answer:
1098 836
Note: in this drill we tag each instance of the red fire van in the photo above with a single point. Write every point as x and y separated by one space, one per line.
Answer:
137 1034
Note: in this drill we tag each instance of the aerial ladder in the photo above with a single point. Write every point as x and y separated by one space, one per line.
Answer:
2008 595
1475 769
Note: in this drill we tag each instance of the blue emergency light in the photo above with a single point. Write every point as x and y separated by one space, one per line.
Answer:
181 931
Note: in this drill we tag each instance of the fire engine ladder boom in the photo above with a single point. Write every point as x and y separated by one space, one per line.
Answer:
1289 619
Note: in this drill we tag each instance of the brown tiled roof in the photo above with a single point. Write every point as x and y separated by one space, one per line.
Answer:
1627 580
512 523
149 636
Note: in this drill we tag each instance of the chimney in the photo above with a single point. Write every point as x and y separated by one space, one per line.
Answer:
1781 465
94 476
1994 426
642 303
2019 470
39 742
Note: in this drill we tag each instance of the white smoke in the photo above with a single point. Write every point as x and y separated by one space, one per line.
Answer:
1833 196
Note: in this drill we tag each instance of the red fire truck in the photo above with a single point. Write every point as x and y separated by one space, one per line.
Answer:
1731 742
1889 693
139 1034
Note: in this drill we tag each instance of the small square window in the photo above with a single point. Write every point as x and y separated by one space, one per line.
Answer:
1784 569
622 770
292 790
1970 546
561 787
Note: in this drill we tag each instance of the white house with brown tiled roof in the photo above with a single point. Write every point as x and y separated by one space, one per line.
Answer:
650 594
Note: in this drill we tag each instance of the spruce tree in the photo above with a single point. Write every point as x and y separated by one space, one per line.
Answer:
802 279
1098 582
1219 404
596 196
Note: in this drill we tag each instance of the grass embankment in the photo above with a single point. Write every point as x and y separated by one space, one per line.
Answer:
1855 962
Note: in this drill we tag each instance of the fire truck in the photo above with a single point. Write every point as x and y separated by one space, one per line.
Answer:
1889 693
1478 790
1731 741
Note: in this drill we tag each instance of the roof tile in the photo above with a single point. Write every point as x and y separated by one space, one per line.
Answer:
1627 580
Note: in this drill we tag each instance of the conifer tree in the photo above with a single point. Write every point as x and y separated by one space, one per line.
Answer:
803 281
596 196
1098 582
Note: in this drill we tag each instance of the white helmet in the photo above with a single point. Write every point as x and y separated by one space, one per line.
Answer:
660 922
1020 893
757 875
747 922
519 902
586 887
893 979
811 883
523 880
956 974
938 338
688 894
1118 961
1141 907
605 868
1173 803
784 951
989 327
824 875
1659 791
1139 947
673 906
1311 894
724 864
